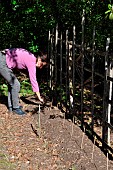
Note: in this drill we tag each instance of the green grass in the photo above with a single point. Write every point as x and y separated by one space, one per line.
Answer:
5 164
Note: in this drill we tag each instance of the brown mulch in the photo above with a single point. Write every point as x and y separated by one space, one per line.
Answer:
46 141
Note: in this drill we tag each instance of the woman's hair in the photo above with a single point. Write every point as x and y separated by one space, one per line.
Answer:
43 58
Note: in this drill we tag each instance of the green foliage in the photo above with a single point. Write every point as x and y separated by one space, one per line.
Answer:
26 88
3 89
4 161
26 23
73 167
32 47
22 24
110 11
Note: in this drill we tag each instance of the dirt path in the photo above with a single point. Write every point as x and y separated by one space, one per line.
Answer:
59 146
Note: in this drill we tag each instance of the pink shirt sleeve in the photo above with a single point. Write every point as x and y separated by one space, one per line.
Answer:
32 76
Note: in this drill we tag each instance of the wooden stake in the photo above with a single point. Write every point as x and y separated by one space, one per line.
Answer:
93 149
72 126
82 139
64 119
107 161
39 122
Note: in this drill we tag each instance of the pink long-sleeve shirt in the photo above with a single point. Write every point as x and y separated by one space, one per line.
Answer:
22 59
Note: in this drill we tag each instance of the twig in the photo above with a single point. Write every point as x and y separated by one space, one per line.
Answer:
34 130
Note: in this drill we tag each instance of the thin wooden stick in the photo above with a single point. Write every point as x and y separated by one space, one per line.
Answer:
82 139
39 122
64 119
93 148
107 162
72 126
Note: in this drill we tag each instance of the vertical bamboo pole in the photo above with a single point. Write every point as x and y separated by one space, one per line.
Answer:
39 122
73 75
48 53
70 75
82 66
72 79
82 76
92 88
105 111
109 104
73 68
56 44
51 60
61 59
67 67
61 65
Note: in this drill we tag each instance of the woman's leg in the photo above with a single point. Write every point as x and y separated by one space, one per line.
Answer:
13 97
9 98
15 88
13 93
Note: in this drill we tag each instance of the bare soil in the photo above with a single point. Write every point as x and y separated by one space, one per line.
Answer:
43 140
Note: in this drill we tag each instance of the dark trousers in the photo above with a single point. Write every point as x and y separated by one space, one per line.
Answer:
13 83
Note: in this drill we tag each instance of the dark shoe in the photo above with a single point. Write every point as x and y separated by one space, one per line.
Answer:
18 111
10 108
20 107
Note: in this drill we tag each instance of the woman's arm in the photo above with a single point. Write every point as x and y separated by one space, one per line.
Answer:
31 66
